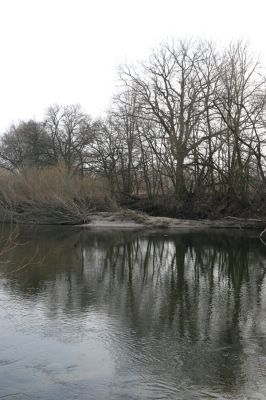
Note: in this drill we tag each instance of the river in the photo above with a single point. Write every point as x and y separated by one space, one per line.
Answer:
132 315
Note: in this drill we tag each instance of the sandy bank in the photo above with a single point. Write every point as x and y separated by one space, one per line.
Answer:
132 220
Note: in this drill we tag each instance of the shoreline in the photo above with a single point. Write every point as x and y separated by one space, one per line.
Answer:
129 219
132 220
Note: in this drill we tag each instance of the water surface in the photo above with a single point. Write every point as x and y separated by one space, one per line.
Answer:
133 315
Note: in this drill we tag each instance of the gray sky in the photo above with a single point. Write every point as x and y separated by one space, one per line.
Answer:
67 51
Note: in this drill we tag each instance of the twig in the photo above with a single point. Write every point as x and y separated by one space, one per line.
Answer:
14 394
28 263
261 236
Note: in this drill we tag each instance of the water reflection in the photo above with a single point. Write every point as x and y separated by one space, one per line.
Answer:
155 315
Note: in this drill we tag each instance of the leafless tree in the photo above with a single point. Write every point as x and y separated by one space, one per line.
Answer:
71 131
26 145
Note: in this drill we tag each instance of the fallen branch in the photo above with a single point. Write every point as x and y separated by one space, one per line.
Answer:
261 236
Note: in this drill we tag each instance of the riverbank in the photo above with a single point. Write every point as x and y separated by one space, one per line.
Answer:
134 220
55 197
79 214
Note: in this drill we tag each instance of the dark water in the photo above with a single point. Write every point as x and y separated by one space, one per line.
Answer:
128 315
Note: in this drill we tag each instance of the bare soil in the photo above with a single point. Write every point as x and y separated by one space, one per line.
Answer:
133 219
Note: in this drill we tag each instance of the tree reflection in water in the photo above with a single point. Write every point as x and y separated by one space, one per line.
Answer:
190 306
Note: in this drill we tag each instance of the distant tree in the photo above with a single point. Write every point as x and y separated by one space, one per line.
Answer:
26 145
240 104
71 131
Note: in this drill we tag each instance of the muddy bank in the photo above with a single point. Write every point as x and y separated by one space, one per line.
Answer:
130 219
212 207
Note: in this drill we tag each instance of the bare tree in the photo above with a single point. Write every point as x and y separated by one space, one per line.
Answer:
71 131
26 145
172 93
240 87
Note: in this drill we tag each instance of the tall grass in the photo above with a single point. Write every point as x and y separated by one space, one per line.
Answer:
52 196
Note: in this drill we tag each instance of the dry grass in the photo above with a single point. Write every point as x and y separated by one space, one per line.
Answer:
52 196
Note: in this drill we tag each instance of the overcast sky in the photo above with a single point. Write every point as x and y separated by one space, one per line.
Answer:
67 51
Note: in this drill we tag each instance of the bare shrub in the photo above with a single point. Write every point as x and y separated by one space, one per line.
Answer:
52 196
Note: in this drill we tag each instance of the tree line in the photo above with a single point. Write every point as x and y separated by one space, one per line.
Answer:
188 121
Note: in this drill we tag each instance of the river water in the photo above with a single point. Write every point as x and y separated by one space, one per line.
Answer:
132 315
